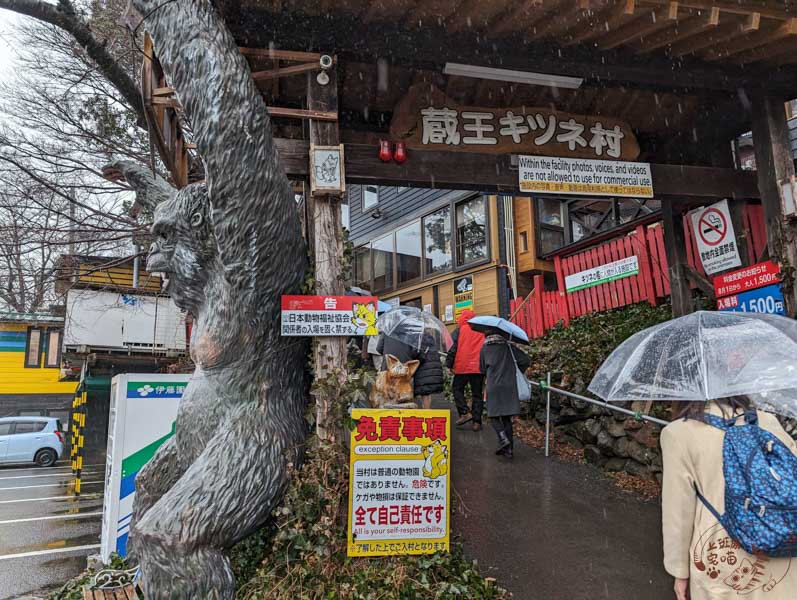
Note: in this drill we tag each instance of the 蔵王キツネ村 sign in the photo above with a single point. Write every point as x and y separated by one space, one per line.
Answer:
399 482
625 267
463 295
428 119
749 278
767 300
716 240
580 176
329 315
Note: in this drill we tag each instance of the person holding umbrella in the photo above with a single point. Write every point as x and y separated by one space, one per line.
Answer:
729 487
499 362
463 360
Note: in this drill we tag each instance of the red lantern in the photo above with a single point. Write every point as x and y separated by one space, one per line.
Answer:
400 153
384 151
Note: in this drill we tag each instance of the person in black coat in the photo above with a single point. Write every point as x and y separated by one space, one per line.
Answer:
498 366
388 345
428 378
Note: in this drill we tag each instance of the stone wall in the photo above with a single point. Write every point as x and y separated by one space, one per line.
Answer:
610 440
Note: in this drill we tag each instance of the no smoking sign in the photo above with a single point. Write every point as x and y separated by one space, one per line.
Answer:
716 240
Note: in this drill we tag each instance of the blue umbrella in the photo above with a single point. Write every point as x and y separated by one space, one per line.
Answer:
485 324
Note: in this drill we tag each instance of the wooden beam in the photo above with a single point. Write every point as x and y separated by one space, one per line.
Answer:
163 91
775 170
612 17
675 249
637 29
285 71
738 7
495 173
770 51
752 22
703 284
695 44
288 55
301 113
762 37
681 31
523 14
567 17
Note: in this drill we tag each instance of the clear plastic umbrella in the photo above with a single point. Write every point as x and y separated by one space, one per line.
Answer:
706 356
415 327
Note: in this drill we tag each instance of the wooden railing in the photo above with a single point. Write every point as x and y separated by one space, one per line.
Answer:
543 309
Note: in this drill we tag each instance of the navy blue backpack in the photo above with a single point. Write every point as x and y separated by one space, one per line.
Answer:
760 488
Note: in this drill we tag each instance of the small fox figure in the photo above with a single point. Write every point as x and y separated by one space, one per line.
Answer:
393 387
364 317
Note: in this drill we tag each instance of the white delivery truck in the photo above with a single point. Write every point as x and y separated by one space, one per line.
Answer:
141 417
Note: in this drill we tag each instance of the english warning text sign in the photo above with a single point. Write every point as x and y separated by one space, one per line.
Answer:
716 240
549 174
399 482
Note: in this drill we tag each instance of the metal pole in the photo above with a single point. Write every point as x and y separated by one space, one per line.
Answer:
548 414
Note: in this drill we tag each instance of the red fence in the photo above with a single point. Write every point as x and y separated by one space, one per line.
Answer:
541 310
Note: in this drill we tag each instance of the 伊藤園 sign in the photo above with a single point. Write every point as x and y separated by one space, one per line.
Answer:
329 315
428 119
399 482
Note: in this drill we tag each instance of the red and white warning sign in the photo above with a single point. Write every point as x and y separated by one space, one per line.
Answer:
716 240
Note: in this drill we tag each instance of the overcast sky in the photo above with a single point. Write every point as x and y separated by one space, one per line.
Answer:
8 22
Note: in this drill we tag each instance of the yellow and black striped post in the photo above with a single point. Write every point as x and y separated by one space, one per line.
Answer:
77 439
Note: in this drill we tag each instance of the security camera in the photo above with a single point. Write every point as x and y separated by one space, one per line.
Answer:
326 61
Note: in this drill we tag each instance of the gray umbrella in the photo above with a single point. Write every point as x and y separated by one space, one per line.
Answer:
706 356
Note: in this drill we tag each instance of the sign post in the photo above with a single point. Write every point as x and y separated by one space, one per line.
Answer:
716 240
399 492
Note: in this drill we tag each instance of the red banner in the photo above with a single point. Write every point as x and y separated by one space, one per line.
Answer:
749 278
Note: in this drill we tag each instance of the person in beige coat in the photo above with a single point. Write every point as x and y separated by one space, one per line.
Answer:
705 561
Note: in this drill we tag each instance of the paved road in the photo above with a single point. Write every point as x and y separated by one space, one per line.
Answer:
46 533
553 530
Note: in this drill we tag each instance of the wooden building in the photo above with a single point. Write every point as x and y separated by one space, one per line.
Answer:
470 88
30 366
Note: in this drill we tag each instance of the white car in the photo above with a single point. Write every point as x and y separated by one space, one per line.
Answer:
37 440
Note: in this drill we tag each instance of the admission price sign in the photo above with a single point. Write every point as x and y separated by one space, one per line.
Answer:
752 289
399 492
329 315
550 174
716 240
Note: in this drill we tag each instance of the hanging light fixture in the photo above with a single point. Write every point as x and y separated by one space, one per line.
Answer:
384 151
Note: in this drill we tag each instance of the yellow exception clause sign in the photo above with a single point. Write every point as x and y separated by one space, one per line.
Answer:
399 486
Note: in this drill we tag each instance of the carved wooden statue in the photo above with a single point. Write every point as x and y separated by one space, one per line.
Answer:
230 250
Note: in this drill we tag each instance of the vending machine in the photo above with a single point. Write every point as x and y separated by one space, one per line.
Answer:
142 416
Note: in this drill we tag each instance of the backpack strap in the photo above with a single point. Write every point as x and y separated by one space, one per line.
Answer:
707 504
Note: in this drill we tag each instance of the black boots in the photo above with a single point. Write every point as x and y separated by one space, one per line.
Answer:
504 443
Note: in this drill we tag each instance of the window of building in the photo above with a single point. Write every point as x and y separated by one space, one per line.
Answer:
550 224
437 241
362 267
408 253
370 197
524 241
471 227
415 303
33 348
52 359
382 263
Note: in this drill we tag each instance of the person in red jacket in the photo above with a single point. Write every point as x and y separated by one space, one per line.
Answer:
463 359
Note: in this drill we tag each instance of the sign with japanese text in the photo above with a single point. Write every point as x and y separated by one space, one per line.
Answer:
716 240
767 300
399 482
749 278
625 267
329 315
463 295
428 119
553 175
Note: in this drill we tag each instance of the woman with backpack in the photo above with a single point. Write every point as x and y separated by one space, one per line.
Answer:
428 378
499 361
705 442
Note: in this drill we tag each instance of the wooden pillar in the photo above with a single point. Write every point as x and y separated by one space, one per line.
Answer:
775 168
675 247
326 243
736 208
